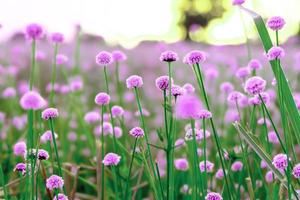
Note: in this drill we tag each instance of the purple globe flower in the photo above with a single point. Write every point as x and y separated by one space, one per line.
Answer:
162 82
34 31
20 167
54 182
275 53
296 171
254 64
32 100
117 111
42 155
209 166
188 107
204 114
213 196
194 57
111 159
102 98
176 90
50 113
181 164
118 56
60 197
255 85
238 2
137 132
280 161
168 56
104 58
134 81
237 166
275 23
20 148
57 38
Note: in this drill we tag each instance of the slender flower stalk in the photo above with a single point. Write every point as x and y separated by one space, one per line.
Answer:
130 167
56 150
216 137
53 76
111 116
142 121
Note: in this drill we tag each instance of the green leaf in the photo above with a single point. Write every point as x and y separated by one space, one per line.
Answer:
290 104
247 136
159 134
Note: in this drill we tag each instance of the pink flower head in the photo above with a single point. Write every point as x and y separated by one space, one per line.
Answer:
111 159
117 111
20 167
237 166
168 56
47 136
118 56
209 166
194 57
20 148
104 58
102 98
275 23
242 72
238 2
54 182
219 174
226 87
176 90
42 155
57 38
137 132
179 142
50 113
275 52
254 64
181 164
263 164
188 107
9 92
189 88
118 132
60 196
273 137
162 82
234 96
134 81
32 100
92 117
204 114
280 161
296 171
213 196
34 31
61 59
255 85
269 177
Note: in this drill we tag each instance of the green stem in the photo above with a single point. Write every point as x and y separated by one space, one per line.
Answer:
204 156
53 76
130 168
142 121
216 137
102 153
33 50
56 151
115 181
